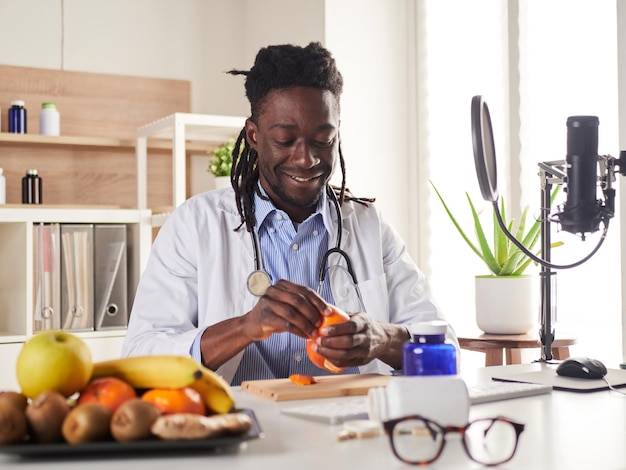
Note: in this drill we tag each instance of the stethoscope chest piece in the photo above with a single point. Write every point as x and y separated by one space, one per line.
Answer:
258 282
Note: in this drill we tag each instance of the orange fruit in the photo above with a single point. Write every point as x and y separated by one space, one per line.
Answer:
302 379
108 391
176 400
338 316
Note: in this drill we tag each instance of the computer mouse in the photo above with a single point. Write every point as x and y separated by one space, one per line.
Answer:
582 368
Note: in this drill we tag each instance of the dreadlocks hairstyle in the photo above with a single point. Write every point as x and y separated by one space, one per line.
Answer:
280 67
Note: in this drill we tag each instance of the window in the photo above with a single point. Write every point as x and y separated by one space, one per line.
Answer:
536 63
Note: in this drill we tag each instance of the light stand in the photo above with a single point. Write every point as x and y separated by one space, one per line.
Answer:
549 174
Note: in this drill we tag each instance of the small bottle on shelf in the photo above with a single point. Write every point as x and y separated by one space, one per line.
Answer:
31 188
17 117
49 119
3 187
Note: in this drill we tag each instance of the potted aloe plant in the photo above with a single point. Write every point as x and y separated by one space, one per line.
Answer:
507 287
221 163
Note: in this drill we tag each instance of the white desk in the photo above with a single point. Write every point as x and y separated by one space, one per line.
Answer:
564 430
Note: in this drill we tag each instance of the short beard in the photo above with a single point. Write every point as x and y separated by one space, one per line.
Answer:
278 190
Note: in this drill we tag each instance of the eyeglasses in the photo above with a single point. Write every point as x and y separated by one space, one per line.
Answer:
419 441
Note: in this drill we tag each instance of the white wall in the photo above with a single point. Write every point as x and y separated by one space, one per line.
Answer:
198 40
195 40
369 39
152 38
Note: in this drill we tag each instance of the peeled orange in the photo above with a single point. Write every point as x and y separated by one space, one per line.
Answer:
338 316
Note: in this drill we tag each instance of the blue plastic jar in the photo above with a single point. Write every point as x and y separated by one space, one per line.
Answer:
428 353
17 117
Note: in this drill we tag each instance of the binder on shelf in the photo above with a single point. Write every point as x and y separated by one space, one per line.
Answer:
77 298
46 277
110 276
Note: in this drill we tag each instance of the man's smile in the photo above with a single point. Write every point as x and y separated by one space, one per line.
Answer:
300 179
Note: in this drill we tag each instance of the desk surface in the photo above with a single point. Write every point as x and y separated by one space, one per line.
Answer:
564 430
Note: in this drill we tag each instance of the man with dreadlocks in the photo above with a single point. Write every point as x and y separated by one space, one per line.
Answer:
280 217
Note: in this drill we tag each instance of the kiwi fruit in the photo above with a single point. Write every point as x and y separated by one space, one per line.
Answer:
45 415
88 422
133 419
13 424
14 398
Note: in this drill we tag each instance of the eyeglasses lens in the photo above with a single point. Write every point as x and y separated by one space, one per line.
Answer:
415 440
491 441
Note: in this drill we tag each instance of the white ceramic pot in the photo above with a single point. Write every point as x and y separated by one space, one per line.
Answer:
222 182
506 305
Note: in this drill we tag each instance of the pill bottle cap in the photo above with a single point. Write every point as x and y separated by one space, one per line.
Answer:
32 172
1 171
434 327
17 103
48 105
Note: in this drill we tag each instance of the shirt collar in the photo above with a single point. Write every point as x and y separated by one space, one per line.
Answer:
264 207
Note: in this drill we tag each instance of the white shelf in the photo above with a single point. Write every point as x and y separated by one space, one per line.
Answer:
70 214
181 129
17 254
197 127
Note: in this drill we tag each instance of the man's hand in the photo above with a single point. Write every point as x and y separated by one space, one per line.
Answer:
285 307
361 340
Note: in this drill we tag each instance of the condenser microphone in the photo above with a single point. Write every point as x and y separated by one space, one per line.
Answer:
582 211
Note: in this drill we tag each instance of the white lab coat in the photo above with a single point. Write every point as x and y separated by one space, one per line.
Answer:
198 267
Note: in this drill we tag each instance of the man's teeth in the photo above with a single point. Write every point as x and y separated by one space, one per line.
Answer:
302 180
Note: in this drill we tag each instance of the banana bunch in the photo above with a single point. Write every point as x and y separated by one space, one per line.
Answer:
145 372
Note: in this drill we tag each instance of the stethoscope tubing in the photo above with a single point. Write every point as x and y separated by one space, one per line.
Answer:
259 279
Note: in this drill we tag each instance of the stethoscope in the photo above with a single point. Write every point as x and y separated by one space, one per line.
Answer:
259 279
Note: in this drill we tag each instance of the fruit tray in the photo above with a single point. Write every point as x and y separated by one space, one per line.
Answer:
113 448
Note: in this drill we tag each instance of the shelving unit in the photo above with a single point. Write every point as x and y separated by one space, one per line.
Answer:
16 253
89 176
183 131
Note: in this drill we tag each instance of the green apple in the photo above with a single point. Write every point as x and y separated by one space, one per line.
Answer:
53 360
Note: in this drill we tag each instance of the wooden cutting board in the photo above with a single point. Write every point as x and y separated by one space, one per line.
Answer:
327 386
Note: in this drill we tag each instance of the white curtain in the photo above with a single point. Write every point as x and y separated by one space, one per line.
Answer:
536 63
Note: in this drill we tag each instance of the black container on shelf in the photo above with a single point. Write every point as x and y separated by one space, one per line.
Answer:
31 188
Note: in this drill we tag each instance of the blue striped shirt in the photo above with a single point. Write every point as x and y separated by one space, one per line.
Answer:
293 254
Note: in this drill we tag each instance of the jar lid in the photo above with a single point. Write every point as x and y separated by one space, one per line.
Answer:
17 103
434 327
48 105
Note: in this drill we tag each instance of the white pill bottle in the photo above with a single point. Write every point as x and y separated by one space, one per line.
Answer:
49 119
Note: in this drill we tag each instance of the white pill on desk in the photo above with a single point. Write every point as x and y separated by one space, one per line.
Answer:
363 428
